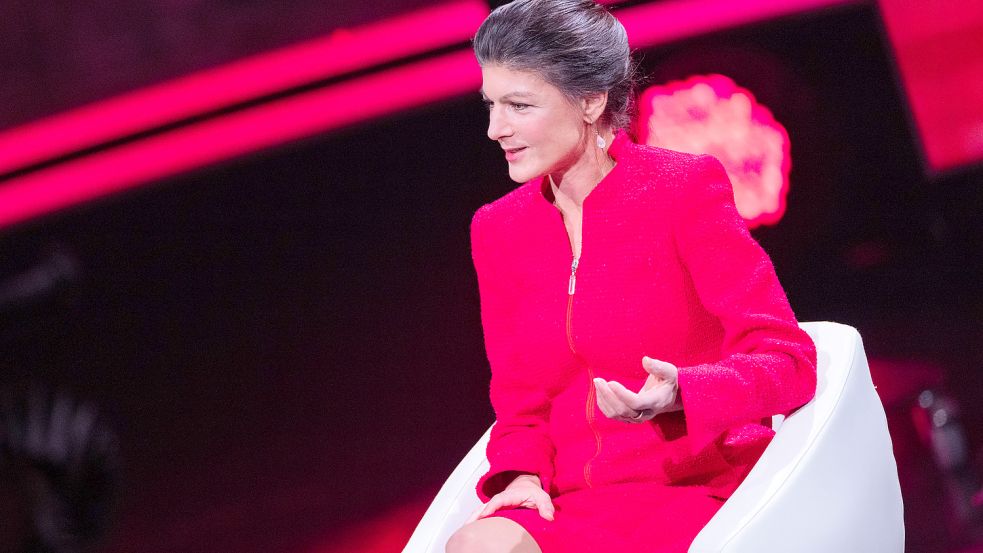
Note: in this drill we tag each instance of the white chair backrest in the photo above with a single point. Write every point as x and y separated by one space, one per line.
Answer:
828 481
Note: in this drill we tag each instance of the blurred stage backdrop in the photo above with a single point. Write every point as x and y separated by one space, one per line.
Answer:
238 231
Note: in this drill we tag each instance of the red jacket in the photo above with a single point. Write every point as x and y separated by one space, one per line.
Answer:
668 269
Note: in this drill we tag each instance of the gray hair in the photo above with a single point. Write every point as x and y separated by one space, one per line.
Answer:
575 45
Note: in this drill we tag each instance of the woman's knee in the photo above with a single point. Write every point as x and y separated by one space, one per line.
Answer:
491 535
465 540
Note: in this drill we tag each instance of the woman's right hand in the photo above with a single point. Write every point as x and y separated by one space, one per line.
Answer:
525 491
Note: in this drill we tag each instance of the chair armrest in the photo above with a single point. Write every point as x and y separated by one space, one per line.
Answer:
828 480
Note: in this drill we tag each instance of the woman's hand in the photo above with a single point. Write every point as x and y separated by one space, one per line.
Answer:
659 394
525 491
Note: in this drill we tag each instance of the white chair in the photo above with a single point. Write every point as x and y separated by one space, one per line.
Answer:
826 483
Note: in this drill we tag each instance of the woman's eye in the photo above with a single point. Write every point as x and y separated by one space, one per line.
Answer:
514 105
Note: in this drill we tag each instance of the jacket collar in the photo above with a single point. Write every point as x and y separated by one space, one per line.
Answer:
620 144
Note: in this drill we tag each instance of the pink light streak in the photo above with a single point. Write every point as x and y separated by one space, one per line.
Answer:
343 51
250 130
223 137
662 22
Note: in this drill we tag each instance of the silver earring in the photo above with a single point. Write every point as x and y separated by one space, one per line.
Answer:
600 140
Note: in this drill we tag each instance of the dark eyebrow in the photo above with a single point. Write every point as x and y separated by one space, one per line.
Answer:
516 94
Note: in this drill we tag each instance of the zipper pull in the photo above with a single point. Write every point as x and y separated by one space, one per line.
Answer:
572 287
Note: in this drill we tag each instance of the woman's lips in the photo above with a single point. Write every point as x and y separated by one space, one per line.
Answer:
512 154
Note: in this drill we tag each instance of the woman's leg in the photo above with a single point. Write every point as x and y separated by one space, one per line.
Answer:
492 535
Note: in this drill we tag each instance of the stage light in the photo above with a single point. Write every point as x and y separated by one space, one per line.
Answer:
712 115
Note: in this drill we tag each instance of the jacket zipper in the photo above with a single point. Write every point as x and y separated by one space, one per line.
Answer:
591 391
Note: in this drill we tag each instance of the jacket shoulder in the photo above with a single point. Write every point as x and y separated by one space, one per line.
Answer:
675 177
507 210
652 164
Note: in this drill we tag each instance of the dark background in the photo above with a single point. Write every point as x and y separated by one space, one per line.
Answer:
289 344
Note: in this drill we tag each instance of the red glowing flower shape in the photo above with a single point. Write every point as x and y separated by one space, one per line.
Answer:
712 115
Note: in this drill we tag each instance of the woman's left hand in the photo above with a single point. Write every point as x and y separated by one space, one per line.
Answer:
659 394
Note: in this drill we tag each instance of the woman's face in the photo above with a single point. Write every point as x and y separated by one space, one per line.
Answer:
541 131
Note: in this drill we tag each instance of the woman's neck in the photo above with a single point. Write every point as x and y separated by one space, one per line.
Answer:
580 178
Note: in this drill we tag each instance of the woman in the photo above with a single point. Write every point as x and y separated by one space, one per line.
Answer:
615 268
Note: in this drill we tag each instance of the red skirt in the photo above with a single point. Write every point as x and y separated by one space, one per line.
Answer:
642 517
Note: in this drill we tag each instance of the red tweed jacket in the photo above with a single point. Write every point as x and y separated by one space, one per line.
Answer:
669 270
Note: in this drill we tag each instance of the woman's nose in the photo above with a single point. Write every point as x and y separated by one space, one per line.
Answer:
497 125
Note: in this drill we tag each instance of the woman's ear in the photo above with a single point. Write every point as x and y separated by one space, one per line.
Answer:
593 106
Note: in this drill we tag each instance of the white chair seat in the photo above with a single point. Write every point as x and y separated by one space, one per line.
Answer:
826 483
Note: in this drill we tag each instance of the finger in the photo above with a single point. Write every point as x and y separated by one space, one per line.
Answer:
546 509
541 502
617 407
475 513
494 504
660 369
606 400
602 403
628 397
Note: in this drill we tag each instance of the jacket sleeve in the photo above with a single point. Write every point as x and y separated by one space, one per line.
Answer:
767 364
519 441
